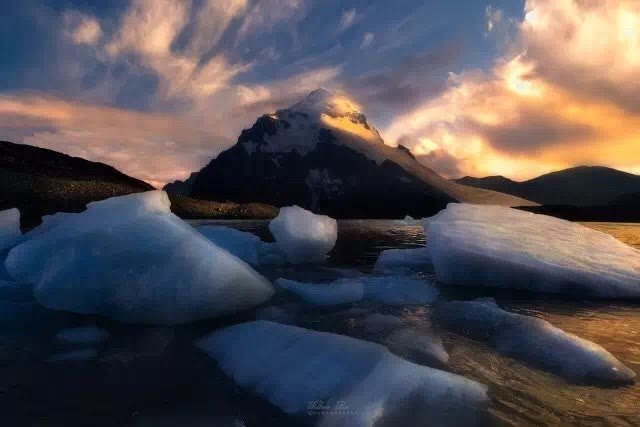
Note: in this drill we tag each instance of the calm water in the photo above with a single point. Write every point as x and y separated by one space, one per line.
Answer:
146 376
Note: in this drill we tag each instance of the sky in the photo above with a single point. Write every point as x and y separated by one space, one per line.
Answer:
157 88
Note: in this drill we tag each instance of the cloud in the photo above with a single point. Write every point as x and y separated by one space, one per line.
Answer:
82 29
151 146
566 98
266 14
347 19
367 39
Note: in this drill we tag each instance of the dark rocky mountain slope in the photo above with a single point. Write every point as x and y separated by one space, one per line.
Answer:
322 154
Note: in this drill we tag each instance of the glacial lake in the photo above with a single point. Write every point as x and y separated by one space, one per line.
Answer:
155 377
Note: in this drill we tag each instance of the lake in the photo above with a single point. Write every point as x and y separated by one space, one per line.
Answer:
154 376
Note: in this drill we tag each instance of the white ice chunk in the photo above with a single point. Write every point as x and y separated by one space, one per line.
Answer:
409 220
533 340
341 291
307 372
302 235
419 345
398 261
9 228
131 259
495 246
242 244
391 290
83 335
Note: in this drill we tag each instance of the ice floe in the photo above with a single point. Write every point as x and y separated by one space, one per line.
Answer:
390 290
399 261
302 235
131 259
9 228
341 380
341 291
534 341
496 246
420 345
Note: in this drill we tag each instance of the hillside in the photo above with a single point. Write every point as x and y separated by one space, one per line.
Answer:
579 186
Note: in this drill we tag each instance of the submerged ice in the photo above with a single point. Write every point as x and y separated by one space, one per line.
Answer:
365 383
496 246
131 259
397 261
302 235
390 290
534 341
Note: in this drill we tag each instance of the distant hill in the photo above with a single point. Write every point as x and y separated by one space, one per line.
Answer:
41 182
324 155
579 186
181 187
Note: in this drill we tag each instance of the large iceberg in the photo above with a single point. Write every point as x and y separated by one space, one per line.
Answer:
343 381
131 259
302 235
9 228
390 290
534 341
496 246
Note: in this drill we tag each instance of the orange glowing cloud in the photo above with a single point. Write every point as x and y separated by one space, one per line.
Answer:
566 99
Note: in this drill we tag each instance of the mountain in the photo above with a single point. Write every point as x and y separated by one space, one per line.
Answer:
322 153
41 182
181 187
579 186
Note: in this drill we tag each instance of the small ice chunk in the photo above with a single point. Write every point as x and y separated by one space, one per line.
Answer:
83 335
285 313
302 235
242 244
534 341
422 346
407 261
343 381
131 259
83 355
409 220
390 290
341 291
9 228
378 323
397 290
475 245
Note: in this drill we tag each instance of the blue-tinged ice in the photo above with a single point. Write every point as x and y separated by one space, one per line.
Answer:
9 228
390 290
420 345
242 244
534 341
341 291
475 245
302 235
404 261
131 259
341 380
